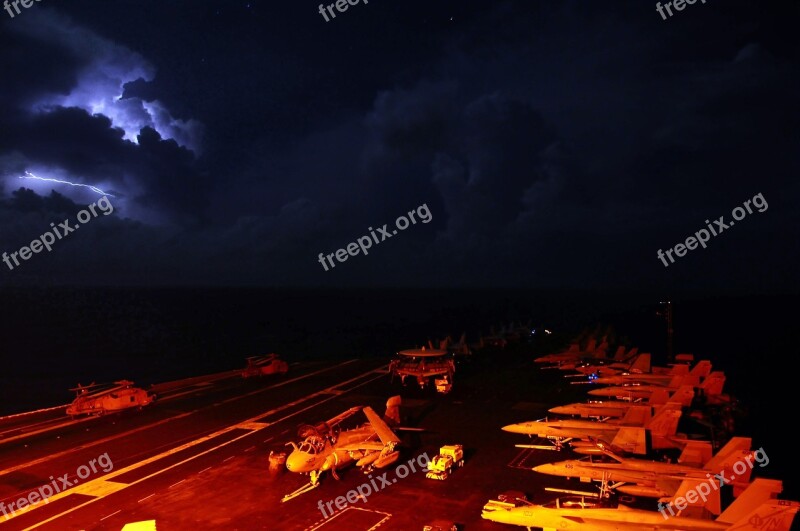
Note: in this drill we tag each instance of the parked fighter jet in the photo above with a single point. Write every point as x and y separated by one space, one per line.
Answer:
663 378
632 362
641 378
460 349
618 408
755 509
574 353
326 447
656 479
494 339
712 384
630 433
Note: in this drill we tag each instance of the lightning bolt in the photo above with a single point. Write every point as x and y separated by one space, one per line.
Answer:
29 175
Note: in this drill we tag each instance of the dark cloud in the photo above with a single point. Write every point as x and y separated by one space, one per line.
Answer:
554 144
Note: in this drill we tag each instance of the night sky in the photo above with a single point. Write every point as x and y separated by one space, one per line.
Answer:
555 144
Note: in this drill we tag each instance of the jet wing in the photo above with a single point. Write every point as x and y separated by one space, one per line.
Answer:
385 433
366 445
343 416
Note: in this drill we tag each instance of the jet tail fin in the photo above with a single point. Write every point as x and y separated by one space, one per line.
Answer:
678 380
706 497
735 450
382 429
761 492
724 463
695 453
713 384
392 415
683 395
665 422
601 352
775 515
659 397
631 440
591 345
699 371
641 364
637 416
679 369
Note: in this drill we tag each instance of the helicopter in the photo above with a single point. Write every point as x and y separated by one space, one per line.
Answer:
99 399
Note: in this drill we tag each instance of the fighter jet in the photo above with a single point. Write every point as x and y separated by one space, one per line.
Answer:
632 362
656 479
326 447
617 408
460 349
629 433
701 370
711 385
599 357
756 509
574 354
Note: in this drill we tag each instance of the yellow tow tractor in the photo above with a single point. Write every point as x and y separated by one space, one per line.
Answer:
441 466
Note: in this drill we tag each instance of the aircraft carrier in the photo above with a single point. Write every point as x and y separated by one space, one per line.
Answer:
198 458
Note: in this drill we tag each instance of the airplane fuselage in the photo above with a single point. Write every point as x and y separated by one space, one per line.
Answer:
631 392
642 473
604 519
599 409
576 429
626 379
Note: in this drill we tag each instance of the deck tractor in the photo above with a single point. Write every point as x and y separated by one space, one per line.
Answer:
442 465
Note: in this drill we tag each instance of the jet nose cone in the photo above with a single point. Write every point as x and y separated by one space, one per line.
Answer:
561 410
543 469
514 428
293 463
